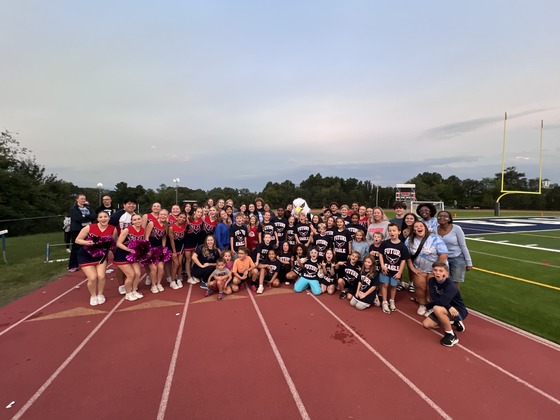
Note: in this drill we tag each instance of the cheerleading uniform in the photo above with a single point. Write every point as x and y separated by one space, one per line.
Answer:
133 235
95 234
171 219
194 235
179 236
209 226
157 234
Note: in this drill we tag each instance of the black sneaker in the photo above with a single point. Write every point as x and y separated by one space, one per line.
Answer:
449 340
342 295
458 324
411 288
203 285
399 287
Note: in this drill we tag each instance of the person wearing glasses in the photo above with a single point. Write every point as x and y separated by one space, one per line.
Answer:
458 258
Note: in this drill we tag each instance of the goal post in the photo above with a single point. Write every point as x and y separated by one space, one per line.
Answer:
437 204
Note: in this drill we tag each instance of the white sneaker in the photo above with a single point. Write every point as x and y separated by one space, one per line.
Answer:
93 300
154 289
179 283
195 280
428 313
169 279
147 281
421 310
385 307
138 294
174 285
160 288
122 290
191 280
260 289
101 299
287 283
130 297
392 305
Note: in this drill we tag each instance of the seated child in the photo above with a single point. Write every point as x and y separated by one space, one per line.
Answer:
219 280
447 305
367 286
243 269
269 271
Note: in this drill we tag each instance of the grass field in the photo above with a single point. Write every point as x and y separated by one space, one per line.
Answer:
519 285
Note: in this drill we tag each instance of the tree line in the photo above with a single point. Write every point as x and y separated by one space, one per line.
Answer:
26 191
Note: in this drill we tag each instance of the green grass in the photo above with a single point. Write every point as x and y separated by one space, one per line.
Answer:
26 270
531 307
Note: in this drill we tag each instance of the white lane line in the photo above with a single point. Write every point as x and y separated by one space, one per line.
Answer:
494 365
171 372
287 377
41 308
515 259
516 330
49 381
506 243
391 367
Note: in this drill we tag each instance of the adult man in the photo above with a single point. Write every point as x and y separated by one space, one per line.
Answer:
80 215
106 206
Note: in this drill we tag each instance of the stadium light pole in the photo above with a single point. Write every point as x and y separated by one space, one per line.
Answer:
99 189
176 181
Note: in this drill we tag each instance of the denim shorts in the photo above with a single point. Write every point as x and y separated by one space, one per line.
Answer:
457 268
388 280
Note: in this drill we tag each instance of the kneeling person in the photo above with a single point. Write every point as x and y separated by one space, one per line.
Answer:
447 305
269 271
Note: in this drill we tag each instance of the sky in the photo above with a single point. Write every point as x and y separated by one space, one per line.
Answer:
239 93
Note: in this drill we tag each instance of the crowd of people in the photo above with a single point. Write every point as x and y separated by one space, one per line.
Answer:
352 251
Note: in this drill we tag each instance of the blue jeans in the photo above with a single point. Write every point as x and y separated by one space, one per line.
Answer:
304 283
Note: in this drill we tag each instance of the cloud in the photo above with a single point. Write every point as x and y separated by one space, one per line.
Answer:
462 127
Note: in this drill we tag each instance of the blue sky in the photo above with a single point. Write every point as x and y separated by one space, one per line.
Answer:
239 93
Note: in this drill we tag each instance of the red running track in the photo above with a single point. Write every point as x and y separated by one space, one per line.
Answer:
279 355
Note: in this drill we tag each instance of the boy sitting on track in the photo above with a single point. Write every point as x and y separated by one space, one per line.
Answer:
219 280
447 305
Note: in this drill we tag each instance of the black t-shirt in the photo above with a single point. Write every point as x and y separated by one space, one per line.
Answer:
304 233
341 244
310 270
322 242
393 254
353 228
238 233
290 235
367 283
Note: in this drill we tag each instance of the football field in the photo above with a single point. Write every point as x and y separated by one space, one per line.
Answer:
517 271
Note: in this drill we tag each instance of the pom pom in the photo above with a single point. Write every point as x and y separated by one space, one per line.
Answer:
140 251
100 247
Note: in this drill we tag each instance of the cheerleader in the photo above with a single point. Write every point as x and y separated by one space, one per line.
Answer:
177 242
94 261
210 221
175 210
151 217
132 270
156 233
192 240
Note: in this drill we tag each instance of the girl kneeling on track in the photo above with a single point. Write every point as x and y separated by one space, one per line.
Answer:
367 286
309 274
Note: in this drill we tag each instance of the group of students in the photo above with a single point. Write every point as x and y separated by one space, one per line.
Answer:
355 252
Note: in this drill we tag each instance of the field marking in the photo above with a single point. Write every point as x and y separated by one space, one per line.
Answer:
297 399
514 259
517 278
391 367
494 365
510 244
502 232
69 359
173 363
41 308
523 333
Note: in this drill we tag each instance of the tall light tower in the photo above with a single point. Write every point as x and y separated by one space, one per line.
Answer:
176 181
99 189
